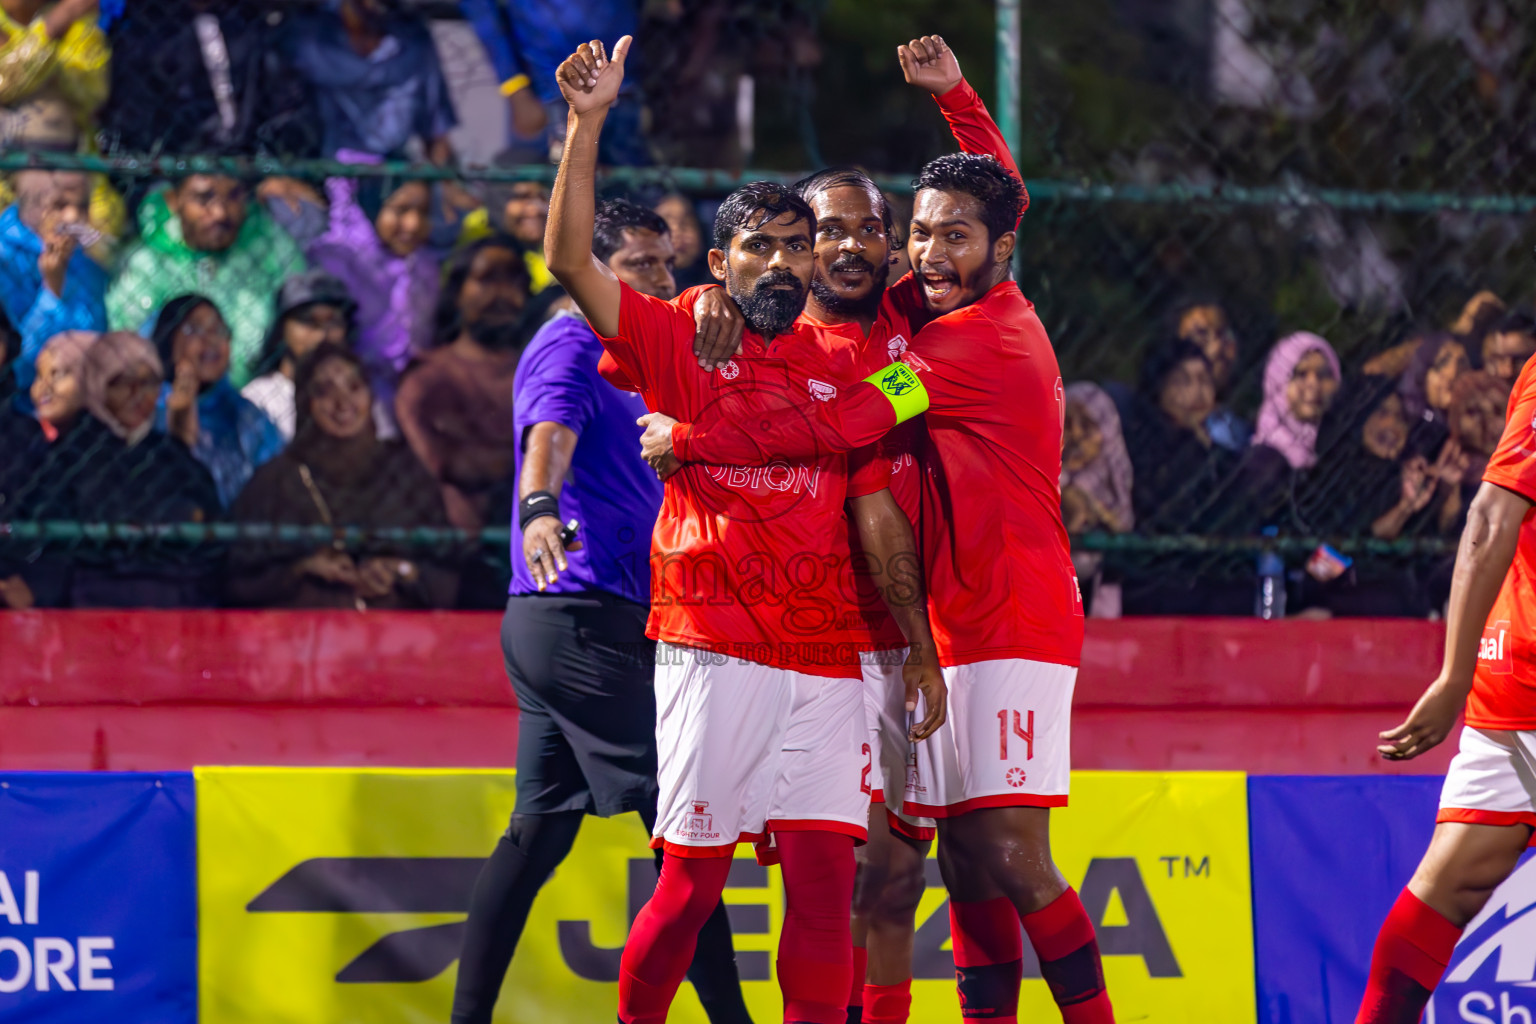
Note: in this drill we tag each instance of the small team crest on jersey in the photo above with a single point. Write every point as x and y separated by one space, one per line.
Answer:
896 347
821 391
730 371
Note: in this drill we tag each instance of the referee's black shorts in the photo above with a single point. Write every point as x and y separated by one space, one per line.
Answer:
583 671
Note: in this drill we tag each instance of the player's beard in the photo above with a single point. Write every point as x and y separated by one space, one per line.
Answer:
768 310
834 302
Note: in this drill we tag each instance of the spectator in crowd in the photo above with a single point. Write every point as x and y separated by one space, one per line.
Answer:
688 240
202 234
374 70
200 405
526 40
1096 483
1369 481
519 209
455 405
47 282
195 76
1509 345
1180 473
1095 466
1475 417
1480 315
20 465
1205 324
57 394
53 68
376 245
1183 482
124 470
312 308
1301 379
338 473
1435 363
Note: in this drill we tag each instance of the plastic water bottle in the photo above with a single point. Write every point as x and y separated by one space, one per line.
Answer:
1269 602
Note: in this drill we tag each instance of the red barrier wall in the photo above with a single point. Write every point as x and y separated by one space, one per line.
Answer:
166 690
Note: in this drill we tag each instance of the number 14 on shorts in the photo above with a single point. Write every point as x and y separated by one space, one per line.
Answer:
1023 728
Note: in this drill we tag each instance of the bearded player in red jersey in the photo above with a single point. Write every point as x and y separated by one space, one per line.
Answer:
862 329
760 724
1003 597
1488 804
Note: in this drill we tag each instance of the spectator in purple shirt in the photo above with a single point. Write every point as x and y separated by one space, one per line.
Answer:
376 245
574 631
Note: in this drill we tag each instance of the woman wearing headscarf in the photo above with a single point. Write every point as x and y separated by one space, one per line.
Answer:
127 472
1183 483
1369 481
1301 379
1095 477
337 473
1432 369
56 393
377 246
200 406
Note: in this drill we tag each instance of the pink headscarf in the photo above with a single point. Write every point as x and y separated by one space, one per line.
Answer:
1278 427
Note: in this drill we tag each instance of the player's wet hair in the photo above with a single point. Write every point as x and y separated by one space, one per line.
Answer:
755 204
836 177
614 217
1001 195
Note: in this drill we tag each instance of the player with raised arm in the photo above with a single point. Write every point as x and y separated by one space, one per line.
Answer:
760 723
1488 804
1003 596
861 329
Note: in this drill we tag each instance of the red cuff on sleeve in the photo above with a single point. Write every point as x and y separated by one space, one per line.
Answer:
680 435
962 95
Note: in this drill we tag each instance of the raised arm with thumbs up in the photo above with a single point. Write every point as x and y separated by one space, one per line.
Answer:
589 80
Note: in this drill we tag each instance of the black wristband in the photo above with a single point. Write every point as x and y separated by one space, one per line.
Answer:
536 506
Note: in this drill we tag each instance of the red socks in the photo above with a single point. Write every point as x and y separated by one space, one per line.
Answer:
887 1004
856 988
989 959
1064 941
1412 949
662 939
815 950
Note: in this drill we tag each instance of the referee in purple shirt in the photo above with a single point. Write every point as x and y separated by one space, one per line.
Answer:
574 634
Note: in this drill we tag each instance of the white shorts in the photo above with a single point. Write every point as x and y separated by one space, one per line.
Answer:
746 750
1007 741
892 758
1492 779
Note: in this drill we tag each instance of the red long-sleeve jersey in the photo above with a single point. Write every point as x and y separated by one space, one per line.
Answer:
996 554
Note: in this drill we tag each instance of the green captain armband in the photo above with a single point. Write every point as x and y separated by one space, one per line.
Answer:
902 389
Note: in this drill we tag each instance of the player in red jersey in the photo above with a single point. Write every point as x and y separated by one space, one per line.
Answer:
861 329
1488 804
1003 597
759 726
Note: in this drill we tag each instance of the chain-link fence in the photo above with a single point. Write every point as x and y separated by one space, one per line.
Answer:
1232 172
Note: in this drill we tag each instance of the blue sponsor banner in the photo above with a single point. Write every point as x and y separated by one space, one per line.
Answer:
98 898
1329 856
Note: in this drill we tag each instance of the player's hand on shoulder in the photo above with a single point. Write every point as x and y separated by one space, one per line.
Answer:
1427 725
929 63
718 328
589 79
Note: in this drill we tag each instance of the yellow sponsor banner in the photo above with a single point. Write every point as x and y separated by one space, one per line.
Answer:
337 896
